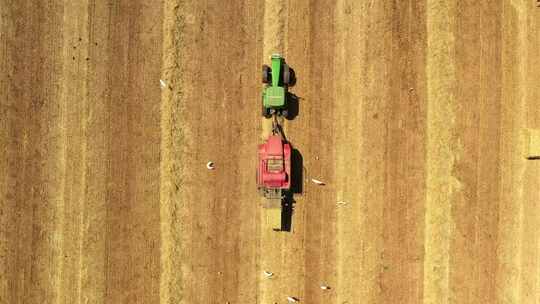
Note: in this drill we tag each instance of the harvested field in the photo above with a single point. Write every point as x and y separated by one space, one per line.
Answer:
420 117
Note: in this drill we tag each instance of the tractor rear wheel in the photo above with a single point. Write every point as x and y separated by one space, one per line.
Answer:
266 112
266 76
286 75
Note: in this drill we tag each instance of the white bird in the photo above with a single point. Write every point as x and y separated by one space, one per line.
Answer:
162 83
268 274
292 299
324 287
342 203
318 182
210 165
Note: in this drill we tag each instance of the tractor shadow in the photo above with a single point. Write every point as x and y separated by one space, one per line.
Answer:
288 202
293 105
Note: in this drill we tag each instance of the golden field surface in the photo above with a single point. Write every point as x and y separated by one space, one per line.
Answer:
421 117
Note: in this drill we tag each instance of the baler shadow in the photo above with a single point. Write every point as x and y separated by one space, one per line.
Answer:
297 171
287 209
287 204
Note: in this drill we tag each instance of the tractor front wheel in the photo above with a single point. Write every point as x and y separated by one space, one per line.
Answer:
286 75
266 73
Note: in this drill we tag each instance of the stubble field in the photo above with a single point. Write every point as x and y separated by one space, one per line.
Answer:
416 114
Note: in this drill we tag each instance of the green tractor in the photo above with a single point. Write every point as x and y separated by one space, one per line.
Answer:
277 78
